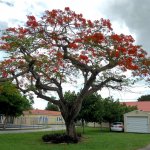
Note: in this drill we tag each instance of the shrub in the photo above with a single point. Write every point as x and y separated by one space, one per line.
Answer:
60 138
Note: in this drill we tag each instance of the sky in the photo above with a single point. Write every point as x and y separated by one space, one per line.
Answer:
126 16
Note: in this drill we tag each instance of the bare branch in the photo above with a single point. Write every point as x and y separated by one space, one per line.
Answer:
40 95
102 84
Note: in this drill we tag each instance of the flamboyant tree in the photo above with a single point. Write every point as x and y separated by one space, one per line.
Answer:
63 47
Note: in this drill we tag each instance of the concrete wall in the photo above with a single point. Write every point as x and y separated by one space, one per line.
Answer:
93 124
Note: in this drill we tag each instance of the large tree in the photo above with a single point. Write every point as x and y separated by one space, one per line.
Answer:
63 47
12 102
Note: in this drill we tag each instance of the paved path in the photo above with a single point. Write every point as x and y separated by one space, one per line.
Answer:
145 148
25 130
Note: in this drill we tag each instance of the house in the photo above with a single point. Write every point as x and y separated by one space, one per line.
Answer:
40 117
37 117
142 105
137 121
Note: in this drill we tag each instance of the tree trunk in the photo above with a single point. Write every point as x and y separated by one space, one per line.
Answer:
69 112
82 125
109 126
70 128
5 122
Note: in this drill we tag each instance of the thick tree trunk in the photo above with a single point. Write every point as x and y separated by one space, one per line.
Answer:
69 112
70 128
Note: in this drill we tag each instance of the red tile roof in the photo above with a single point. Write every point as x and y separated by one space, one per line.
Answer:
42 112
143 105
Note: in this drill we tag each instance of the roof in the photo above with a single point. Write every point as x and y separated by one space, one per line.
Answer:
42 112
142 105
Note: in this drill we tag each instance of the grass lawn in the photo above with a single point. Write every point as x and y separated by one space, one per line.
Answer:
94 139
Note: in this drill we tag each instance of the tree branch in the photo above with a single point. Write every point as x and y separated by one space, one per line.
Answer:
102 84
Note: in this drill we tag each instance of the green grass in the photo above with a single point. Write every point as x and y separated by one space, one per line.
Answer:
93 139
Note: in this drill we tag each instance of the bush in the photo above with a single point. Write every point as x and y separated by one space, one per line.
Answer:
60 138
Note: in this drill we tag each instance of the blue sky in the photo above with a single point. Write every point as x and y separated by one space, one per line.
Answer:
128 17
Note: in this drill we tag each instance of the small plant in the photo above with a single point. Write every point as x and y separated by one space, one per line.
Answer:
60 138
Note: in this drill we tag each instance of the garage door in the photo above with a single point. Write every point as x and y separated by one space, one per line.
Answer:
137 124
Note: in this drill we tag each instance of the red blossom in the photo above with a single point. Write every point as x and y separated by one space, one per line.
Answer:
83 57
59 55
5 37
11 29
106 23
132 51
32 22
23 30
117 54
4 74
77 40
73 45
116 37
67 8
5 46
55 69
141 55
122 49
96 38
91 25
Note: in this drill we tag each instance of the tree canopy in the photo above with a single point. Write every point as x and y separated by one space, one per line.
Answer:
52 107
144 98
12 103
92 109
63 47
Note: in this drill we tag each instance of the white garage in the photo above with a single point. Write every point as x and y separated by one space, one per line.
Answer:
137 121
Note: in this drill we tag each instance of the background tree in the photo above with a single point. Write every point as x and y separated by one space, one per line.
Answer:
98 109
63 47
144 98
92 109
114 111
52 107
12 103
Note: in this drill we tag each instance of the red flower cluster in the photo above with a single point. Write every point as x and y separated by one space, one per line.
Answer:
32 22
116 37
96 38
4 74
59 55
84 57
11 29
73 45
106 23
5 46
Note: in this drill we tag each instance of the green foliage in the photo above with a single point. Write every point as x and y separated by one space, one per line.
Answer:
97 109
70 96
52 107
144 98
92 109
114 111
12 103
